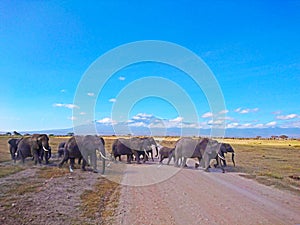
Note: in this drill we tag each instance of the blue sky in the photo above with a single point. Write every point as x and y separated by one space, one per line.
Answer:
252 48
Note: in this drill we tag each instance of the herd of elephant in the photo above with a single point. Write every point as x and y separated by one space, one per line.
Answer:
37 146
204 149
85 148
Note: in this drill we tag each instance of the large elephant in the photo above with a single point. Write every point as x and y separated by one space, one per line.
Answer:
35 146
188 148
13 146
209 151
84 147
138 147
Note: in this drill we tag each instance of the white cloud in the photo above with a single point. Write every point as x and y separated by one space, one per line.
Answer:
142 116
82 113
72 118
177 120
69 106
107 121
215 122
91 94
112 100
122 78
232 125
223 111
287 117
138 124
207 115
63 90
245 111
271 124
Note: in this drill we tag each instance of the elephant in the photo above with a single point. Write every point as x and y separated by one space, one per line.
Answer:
60 150
35 146
225 148
119 149
138 147
188 148
166 152
13 146
84 147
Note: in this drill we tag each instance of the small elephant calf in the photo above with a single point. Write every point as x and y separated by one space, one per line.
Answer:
166 152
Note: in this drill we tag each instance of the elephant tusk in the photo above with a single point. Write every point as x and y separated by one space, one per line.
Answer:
221 157
103 156
46 150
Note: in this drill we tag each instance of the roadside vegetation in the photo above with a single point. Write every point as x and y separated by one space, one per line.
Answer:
271 162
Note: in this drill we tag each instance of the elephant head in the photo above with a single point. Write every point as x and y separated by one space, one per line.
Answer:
40 146
225 148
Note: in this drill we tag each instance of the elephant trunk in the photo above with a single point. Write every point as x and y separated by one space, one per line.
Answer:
156 151
232 157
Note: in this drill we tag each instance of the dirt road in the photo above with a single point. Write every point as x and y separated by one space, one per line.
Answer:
192 196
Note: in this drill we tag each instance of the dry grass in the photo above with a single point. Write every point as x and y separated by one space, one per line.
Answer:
272 162
102 201
6 170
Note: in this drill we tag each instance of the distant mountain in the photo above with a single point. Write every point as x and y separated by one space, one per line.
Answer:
125 129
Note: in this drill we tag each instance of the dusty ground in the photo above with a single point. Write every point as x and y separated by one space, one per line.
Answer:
196 197
45 195
154 194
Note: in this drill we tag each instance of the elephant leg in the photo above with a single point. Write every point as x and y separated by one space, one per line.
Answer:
206 162
220 164
137 156
183 163
47 157
72 163
42 155
94 160
84 163
64 160
129 158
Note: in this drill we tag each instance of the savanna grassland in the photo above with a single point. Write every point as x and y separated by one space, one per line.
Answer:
271 162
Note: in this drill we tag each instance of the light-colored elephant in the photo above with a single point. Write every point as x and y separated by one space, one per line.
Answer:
85 147
204 149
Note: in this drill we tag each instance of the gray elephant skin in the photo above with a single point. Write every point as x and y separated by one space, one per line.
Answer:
188 148
204 149
224 149
84 147
13 146
134 146
36 146
166 153
60 149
